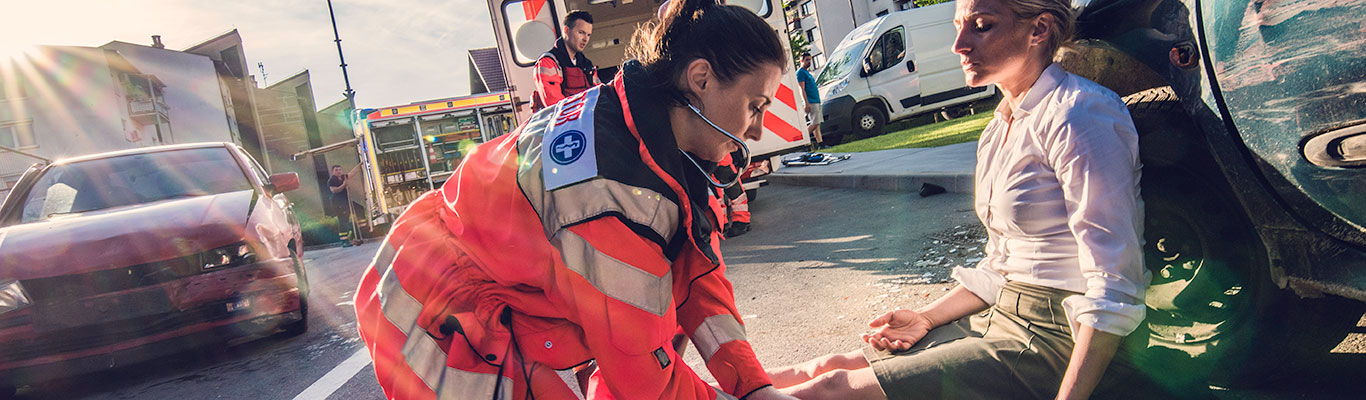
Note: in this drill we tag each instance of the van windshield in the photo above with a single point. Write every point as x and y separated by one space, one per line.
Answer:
844 59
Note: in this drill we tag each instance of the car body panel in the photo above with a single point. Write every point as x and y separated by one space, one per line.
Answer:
1289 71
100 239
1255 124
129 283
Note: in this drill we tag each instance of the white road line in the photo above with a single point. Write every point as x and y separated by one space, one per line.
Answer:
337 377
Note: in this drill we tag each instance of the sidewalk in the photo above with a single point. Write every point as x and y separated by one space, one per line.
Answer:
902 170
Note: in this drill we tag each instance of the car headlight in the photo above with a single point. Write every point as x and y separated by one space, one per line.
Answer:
835 88
230 255
12 296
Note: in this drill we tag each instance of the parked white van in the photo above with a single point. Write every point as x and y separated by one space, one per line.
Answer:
895 66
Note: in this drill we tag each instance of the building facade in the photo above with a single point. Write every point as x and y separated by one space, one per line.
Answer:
824 23
65 101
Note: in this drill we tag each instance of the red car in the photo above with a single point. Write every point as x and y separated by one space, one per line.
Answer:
117 258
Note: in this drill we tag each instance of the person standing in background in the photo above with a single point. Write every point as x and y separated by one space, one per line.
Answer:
813 101
340 203
564 70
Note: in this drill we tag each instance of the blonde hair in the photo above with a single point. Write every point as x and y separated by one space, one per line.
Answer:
1064 20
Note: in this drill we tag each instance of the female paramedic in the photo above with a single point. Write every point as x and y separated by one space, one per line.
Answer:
587 236
1057 188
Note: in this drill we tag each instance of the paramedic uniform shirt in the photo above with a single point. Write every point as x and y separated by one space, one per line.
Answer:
1057 190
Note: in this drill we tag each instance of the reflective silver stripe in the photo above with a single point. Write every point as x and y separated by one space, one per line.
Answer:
544 70
571 380
529 158
715 331
640 205
420 351
614 278
724 395
428 362
399 307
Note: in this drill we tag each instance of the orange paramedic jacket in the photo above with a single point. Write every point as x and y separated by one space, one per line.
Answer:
582 236
559 76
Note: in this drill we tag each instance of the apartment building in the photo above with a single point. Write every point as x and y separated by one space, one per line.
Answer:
825 22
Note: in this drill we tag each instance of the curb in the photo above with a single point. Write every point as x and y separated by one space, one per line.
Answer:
954 183
325 246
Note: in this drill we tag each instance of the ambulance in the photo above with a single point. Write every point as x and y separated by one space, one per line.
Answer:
526 29
406 150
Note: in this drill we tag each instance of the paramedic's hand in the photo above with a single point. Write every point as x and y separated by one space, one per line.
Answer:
898 330
768 393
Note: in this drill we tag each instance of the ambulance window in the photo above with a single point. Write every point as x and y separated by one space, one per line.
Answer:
761 7
530 26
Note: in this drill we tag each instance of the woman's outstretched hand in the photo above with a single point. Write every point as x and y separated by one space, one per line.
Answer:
898 330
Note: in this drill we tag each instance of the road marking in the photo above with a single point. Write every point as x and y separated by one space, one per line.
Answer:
337 377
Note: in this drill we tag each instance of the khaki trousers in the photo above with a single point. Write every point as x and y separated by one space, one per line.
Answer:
1019 351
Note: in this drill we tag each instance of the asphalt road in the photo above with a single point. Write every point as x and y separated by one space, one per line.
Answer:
817 265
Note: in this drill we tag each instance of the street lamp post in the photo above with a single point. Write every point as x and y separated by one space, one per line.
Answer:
350 102
350 94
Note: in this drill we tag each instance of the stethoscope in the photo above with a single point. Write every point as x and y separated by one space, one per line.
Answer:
741 142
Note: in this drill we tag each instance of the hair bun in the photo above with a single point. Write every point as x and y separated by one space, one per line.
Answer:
692 6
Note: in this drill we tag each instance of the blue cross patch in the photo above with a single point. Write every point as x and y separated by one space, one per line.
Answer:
567 147
567 150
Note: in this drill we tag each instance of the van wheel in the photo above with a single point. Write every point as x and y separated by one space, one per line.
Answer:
1212 306
751 194
868 120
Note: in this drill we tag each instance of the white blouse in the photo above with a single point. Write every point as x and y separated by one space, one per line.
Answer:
1057 189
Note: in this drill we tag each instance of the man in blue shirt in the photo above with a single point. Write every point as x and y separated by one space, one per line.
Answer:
813 101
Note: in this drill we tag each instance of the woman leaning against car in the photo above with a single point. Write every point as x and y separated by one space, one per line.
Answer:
1057 189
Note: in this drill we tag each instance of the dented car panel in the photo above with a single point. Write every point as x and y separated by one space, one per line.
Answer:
133 255
1291 72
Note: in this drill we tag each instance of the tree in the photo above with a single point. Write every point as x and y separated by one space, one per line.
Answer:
799 45
927 3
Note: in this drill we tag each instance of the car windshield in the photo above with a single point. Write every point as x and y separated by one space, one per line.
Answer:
132 179
844 59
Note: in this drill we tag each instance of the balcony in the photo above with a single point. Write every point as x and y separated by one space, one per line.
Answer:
146 98
147 111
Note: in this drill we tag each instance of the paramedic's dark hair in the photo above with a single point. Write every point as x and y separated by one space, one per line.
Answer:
731 38
576 16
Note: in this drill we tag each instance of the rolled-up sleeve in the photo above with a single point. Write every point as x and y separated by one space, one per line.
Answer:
983 280
1094 153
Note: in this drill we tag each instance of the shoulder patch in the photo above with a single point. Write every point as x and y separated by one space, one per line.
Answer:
568 153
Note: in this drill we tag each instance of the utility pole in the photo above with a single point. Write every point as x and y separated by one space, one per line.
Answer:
350 94
350 102
262 66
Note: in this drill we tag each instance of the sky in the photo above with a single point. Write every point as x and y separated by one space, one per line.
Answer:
397 51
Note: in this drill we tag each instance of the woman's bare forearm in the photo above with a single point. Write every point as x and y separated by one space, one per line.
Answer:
959 303
1092 354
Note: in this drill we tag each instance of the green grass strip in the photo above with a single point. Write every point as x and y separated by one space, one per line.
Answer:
959 130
